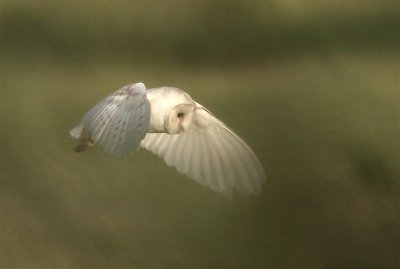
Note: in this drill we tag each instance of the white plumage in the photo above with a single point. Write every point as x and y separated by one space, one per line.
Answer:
169 123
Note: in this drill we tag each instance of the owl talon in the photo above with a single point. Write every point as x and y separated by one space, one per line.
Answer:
84 145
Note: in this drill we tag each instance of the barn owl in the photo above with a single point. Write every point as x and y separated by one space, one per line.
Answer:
168 122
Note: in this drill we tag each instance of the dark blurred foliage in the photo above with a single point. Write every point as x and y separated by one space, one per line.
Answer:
193 31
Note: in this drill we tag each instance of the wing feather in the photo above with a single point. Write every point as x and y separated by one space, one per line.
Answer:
119 122
211 154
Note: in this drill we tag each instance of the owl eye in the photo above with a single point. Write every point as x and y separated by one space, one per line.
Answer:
180 115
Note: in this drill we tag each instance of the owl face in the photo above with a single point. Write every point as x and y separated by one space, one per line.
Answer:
171 110
179 118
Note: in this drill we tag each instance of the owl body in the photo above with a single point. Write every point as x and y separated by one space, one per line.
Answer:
168 122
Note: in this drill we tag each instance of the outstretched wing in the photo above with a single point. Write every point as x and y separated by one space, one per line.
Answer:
211 154
118 123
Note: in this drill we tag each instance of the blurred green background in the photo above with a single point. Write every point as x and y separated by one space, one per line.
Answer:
312 86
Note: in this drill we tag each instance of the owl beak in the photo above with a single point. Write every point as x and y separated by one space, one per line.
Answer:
181 125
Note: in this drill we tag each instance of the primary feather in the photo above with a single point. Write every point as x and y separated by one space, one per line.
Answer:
119 122
211 154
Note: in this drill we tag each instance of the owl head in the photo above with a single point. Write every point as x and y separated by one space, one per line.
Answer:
179 118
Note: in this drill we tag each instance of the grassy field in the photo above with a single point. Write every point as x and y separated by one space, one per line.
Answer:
324 123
